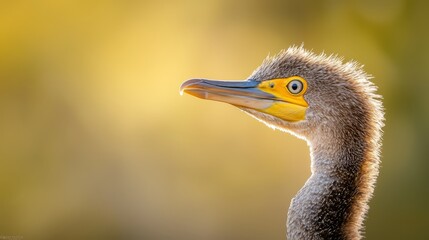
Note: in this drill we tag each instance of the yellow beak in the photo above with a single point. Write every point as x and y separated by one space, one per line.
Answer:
249 94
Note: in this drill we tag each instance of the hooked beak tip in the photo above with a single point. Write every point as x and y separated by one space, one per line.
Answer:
188 84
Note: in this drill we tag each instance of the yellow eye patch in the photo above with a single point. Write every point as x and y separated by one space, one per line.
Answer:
281 89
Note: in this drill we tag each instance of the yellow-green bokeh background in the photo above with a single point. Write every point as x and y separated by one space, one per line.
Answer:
97 143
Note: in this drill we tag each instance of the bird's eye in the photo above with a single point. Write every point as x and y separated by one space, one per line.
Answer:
295 86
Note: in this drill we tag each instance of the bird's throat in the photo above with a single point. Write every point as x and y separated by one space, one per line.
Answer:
333 202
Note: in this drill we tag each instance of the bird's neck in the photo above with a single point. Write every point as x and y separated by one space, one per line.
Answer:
333 202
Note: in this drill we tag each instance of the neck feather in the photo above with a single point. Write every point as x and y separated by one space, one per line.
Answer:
333 202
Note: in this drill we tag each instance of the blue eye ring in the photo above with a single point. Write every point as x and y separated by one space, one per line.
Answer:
295 86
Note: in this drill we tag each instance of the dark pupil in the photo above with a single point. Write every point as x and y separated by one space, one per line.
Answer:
294 86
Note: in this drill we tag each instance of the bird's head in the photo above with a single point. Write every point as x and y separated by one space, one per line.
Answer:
297 91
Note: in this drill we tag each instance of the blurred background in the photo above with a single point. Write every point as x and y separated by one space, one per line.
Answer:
96 142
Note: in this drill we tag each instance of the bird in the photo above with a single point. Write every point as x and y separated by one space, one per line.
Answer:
334 106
